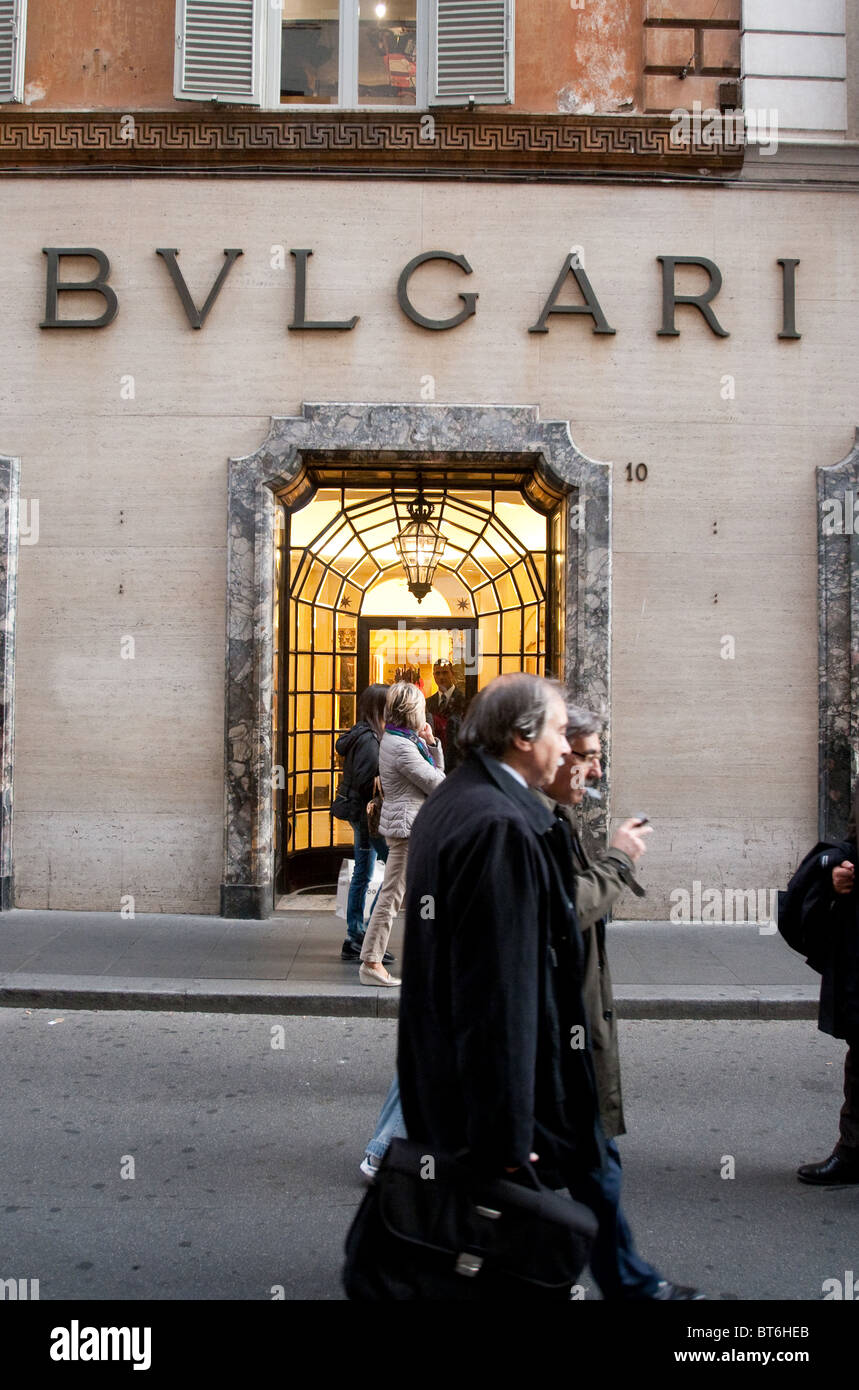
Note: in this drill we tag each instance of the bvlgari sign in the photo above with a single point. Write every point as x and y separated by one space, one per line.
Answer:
703 302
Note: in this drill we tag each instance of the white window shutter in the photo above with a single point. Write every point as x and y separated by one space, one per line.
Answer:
472 52
13 29
219 51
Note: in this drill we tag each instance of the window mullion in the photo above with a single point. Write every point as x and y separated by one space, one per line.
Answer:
422 85
271 40
349 53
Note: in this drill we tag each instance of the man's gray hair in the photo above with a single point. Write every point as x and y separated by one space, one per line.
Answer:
513 704
582 722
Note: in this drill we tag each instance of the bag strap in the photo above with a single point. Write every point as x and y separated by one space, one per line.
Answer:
463 1156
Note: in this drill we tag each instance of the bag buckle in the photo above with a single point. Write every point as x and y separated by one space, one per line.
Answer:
490 1212
468 1265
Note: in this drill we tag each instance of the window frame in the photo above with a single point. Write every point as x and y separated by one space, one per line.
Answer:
348 64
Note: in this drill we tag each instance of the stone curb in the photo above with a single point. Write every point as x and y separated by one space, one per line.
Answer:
259 997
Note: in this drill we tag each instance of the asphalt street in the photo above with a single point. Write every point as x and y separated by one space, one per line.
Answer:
245 1154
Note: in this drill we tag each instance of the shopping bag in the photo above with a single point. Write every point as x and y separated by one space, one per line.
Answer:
344 879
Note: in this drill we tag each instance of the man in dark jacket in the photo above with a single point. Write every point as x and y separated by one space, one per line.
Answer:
492 1034
359 749
598 882
445 710
836 954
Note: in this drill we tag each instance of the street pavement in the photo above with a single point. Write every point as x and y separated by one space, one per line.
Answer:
290 964
245 1152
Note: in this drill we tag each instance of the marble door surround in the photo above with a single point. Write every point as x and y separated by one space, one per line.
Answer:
475 441
10 474
838 640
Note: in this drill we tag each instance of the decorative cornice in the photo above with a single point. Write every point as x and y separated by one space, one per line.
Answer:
443 142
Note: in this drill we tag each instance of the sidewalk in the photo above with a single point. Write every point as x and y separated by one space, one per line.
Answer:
291 964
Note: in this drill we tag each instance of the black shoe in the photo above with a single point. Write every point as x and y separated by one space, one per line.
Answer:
351 950
666 1290
835 1171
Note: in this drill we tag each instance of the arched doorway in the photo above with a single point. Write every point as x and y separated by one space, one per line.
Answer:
346 618
384 448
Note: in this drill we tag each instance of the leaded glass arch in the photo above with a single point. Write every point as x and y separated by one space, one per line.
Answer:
339 569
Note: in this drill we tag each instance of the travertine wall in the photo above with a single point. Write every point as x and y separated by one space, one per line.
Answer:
119 762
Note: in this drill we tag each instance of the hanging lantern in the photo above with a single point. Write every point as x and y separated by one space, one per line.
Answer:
420 546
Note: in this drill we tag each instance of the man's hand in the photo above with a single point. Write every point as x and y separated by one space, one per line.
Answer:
843 877
631 839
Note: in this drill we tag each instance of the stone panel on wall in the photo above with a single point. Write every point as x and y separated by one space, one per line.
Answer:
795 63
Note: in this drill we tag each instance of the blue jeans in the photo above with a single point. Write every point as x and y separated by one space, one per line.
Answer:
390 1124
616 1265
368 848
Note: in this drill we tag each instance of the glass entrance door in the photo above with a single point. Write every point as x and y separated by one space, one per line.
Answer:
393 649
346 619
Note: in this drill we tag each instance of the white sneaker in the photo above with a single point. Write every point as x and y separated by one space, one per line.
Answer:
370 1166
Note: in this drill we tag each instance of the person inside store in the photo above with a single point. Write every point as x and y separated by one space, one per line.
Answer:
445 711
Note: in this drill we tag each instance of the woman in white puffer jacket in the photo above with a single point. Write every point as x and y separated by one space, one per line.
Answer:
411 765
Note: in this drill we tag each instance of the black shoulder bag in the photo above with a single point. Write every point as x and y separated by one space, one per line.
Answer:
805 909
343 807
431 1227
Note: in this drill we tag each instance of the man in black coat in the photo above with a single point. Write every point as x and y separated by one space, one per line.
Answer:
445 710
493 1051
835 952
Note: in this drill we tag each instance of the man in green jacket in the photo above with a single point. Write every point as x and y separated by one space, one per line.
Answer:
618 1269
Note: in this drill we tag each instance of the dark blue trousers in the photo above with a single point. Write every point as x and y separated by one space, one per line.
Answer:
616 1265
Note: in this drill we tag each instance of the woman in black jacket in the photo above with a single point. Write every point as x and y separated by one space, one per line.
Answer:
359 749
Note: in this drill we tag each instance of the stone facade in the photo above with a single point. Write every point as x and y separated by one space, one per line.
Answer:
124 434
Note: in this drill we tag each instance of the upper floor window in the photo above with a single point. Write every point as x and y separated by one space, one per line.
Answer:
345 53
351 54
